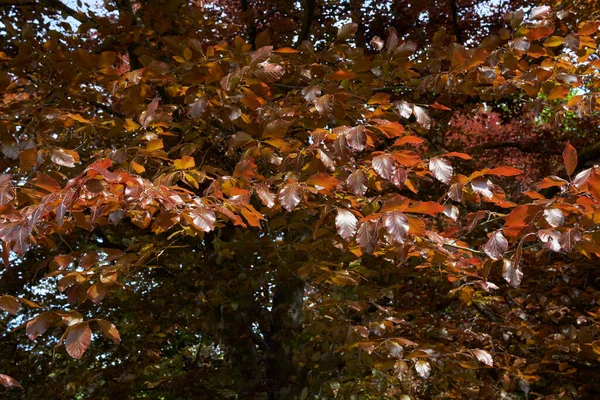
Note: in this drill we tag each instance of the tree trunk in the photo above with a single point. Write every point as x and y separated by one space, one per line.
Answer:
283 379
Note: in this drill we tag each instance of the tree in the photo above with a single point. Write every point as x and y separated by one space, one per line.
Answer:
189 213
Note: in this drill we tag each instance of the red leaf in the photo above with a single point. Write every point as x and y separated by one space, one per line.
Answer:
422 117
345 223
357 139
290 195
384 165
459 155
550 238
482 186
202 218
496 246
570 159
9 381
406 157
439 106
367 236
6 189
554 217
396 225
441 169
78 339
512 273
358 182
265 195
569 239
38 325
582 177
96 292
503 171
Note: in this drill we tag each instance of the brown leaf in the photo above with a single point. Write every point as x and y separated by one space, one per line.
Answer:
61 157
198 107
10 304
324 105
346 31
483 356
109 330
570 159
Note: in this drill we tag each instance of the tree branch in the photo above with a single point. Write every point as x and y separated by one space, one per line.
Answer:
309 13
79 16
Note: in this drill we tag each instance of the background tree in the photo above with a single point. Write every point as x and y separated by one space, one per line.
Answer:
254 200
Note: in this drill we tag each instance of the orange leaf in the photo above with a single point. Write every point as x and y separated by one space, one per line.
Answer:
458 155
286 50
341 75
155 144
408 140
323 181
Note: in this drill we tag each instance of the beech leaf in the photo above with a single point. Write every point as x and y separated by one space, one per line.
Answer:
496 245
9 381
290 195
570 159
78 339
396 225
483 356
345 223
423 368
441 169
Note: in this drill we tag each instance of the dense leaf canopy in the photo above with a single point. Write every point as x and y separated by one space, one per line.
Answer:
299 200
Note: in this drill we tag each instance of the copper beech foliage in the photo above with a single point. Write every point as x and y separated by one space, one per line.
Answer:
284 222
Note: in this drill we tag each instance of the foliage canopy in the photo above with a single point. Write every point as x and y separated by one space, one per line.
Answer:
342 199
